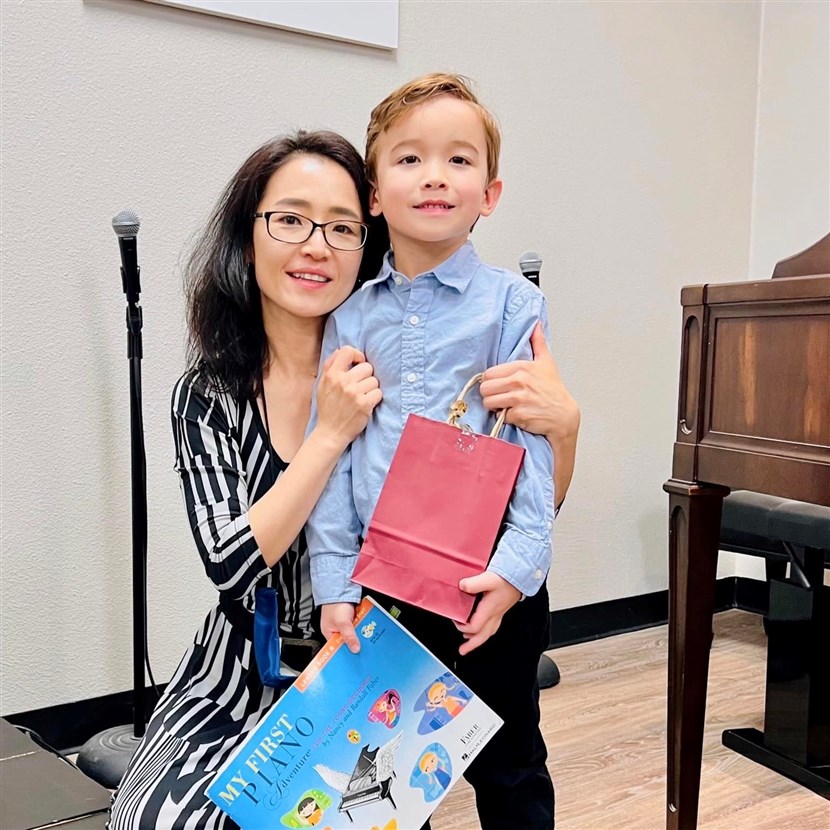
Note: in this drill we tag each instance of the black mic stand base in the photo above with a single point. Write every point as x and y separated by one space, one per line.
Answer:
547 673
105 756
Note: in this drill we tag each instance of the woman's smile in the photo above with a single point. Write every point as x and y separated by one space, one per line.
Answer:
314 277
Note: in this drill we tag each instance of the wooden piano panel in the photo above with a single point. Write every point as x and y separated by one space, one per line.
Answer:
755 383
771 375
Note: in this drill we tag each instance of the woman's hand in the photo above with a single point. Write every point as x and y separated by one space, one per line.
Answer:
347 393
538 401
533 392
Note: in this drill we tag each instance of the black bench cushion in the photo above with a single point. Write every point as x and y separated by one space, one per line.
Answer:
803 524
763 523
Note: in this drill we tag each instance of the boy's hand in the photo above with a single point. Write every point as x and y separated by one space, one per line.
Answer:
338 618
498 597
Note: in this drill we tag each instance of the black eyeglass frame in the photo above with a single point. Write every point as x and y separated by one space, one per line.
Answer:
266 215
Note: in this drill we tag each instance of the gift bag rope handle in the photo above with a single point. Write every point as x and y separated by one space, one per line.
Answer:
459 407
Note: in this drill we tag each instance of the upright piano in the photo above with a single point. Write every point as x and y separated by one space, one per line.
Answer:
753 414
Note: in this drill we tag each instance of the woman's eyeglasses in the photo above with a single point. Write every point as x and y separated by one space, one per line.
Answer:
294 228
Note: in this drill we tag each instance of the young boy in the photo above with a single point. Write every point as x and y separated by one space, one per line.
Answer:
435 316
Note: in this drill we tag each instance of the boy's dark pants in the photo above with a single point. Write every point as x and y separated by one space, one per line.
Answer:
512 785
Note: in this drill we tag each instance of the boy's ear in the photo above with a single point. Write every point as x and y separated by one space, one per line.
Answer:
492 194
374 202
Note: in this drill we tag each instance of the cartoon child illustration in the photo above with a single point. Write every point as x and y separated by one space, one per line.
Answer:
441 701
433 772
309 810
439 695
386 709
430 765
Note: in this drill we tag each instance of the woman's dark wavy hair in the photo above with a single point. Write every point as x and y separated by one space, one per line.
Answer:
224 312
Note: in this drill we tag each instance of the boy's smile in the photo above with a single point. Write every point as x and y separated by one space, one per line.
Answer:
434 206
432 182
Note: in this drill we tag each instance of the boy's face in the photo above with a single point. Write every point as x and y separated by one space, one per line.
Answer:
432 181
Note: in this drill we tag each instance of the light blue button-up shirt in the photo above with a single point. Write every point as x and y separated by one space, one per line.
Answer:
426 338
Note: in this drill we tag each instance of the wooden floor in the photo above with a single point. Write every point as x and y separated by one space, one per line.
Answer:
605 726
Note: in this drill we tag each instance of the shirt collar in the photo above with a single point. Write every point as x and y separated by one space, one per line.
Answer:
455 272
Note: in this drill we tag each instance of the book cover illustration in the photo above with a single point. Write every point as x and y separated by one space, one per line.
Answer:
367 741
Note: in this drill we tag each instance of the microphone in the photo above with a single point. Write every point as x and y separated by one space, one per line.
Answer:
126 225
531 263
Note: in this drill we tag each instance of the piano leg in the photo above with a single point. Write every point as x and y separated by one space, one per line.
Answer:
694 532
386 790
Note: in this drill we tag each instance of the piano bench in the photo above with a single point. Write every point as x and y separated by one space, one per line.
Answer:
771 527
796 737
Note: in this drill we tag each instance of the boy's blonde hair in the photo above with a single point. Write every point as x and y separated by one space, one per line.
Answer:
410 95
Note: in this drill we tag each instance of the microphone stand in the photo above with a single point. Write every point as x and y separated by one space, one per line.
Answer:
547 672
105 756
138 464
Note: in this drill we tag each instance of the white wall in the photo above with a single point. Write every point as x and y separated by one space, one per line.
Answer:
791 197
629 152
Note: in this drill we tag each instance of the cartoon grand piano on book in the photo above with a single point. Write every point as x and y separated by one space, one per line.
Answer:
370 781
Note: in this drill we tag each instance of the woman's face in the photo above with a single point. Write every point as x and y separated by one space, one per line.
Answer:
308 279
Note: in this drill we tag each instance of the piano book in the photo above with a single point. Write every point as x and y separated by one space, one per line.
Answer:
367 741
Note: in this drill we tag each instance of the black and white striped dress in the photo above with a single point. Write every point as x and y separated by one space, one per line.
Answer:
215 697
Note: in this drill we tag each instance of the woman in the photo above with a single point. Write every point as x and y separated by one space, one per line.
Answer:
285 246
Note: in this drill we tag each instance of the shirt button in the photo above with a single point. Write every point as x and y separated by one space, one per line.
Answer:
412 377
398 280
414 319
538 574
